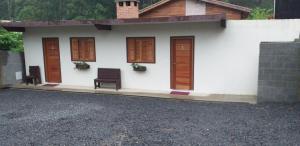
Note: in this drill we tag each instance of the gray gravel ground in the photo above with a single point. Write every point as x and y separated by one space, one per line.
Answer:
63 118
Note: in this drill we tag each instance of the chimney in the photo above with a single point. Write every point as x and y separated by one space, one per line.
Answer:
127 9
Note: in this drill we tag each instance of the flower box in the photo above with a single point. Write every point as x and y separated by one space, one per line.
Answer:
139 68
82 65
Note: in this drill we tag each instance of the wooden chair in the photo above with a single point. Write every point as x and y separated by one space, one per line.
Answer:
34 75
108 75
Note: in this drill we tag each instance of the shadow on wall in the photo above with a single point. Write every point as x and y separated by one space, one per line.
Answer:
3 61
3 57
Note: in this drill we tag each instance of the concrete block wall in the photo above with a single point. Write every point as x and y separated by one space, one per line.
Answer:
279 72
11 67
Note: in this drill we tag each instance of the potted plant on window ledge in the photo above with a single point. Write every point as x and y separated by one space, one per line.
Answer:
81 65
137 67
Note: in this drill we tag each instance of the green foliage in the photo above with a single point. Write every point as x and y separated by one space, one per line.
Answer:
79 9
11 41
56 9
260 13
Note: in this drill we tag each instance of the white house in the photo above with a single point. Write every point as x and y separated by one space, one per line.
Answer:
199 53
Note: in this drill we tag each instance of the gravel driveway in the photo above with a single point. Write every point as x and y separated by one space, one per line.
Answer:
63 118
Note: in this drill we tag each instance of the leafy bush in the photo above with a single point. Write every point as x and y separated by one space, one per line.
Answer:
11 41
260 13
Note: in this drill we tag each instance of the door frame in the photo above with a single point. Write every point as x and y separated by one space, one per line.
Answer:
172 83
45 62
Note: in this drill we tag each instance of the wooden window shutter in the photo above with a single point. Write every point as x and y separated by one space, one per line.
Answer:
131 50
74 49
87 49
91 47
83 49
141 50
148 50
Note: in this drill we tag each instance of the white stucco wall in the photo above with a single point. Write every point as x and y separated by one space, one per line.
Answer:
195 7
226 60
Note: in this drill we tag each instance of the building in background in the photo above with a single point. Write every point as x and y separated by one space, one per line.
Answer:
168 8
287 9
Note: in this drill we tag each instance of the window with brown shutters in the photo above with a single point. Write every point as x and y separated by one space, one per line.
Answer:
141 50
83 49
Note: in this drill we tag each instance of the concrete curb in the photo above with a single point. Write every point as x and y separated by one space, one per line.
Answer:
211 98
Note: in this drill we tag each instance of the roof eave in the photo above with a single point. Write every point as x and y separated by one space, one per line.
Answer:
107 24
160 20
228 5
153 6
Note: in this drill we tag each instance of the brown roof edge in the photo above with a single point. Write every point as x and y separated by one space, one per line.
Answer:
106 24
160 20
19 26
47 23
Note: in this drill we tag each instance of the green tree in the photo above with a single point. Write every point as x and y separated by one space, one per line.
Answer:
4 9
56 9
88 9
260 13
11 41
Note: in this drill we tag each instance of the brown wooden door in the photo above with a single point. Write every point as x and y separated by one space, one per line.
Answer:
182 63
52 60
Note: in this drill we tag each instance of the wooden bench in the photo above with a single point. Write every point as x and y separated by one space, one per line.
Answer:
108 75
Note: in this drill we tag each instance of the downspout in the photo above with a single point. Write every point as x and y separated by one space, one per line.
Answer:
1 72
274 10
1 82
